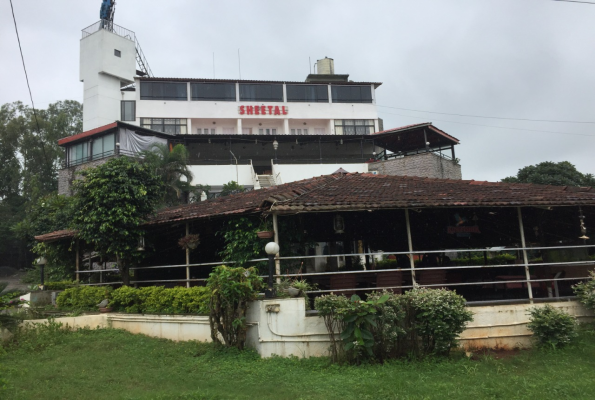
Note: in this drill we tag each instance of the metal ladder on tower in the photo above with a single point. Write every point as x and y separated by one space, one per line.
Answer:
141 61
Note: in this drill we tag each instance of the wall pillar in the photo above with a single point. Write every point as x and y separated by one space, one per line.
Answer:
286 126
239 126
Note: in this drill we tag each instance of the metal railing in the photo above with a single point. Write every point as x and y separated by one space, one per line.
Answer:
414 271
94 157
110 27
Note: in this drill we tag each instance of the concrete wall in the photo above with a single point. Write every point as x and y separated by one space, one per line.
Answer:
68 175
427 165
282 327
217 175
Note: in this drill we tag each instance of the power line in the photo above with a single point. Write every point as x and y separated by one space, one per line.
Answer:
489 117
494 126
577 1
27 79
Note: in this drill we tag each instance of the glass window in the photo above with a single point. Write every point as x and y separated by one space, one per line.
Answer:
351 94
354 127
104 146
78 154
293 131
163 91
173 126
259 92
307 93
128 110
213 91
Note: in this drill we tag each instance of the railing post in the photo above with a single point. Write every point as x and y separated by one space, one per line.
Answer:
525 259
277 261
187 258
409 241
77 261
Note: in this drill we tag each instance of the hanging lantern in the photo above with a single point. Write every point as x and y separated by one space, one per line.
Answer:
339 224
583 228
141 244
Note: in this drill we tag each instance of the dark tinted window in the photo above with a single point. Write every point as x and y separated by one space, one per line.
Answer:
163 91
213 91
307 93
128 110
261 92
351 94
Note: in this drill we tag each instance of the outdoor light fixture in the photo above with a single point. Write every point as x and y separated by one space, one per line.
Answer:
583 228
141 244
339 224
41 261
275 144
341 141
271 249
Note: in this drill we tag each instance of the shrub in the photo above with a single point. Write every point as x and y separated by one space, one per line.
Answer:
330 307
83 298
59 285
551 326
586 291
159 300
389 326
232 289
436 317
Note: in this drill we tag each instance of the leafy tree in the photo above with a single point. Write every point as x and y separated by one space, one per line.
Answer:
241 242
171 167
231 188
111 202
551 173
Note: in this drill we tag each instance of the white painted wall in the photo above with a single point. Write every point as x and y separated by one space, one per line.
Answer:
102 73
218 175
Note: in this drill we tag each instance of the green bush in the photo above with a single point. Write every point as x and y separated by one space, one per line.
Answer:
419 323
551 327
83 298
60 285
586 291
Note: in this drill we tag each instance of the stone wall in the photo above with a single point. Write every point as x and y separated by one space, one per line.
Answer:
68 175
427 165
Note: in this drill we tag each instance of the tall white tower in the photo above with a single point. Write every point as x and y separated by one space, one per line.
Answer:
108 62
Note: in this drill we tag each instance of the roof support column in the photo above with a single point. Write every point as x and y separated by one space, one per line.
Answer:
452 151
410 243
187 258
525 259
239 126
78 258
320 149
426 141
277 261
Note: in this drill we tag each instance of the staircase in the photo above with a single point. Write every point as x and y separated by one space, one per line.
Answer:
266 181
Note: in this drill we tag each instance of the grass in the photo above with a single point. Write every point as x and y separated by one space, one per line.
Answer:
50 363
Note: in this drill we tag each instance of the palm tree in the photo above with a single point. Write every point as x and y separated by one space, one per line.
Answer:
171 165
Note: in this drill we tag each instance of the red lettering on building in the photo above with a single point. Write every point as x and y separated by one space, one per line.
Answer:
250 110
263 110
256 110
277 111
270 110
242 110
284 111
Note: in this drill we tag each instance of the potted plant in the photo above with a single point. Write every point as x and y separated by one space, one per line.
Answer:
266 230
189 241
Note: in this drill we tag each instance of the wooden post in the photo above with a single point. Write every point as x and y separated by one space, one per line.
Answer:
525 259
277 261
411 261
187 258
78 266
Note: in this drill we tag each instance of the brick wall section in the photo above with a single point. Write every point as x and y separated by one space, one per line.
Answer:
427 165
67 175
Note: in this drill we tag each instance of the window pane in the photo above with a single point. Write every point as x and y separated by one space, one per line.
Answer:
128 111
360 130
348 121
359 122
305 131
183 129
338 130
349 130
97 147
213 131
109 143
213 91
163 91
293 131
307 93
250 92
351 94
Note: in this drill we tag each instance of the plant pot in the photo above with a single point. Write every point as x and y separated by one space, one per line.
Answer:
265 234
105 309
293 292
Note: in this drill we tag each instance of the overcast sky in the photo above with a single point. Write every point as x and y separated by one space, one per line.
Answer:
520 59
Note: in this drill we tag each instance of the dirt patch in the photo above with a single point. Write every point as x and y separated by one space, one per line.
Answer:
497 354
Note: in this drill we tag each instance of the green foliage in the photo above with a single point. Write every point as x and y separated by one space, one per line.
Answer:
360 319
231 290
419 323
231 188
159 300
437 316
586 291
170 166
551 327
241 242
60 285
551 173
112 201
83 298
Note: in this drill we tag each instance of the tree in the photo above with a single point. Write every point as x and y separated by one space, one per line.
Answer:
231 188
170 166
111 202
551 173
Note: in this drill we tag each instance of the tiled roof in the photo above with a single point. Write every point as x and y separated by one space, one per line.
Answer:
351 192
416 126
86 134
56 235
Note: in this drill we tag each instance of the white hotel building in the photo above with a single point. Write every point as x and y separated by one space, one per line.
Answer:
258 133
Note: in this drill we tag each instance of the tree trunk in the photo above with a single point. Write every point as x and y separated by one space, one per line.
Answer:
123 271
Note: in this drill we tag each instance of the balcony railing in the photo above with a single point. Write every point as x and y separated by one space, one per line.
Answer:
108 26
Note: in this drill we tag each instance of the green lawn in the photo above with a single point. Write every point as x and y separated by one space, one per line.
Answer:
112 364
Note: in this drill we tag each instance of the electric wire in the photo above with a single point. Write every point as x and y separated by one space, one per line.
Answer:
484 116
577 1
493 126
28 85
